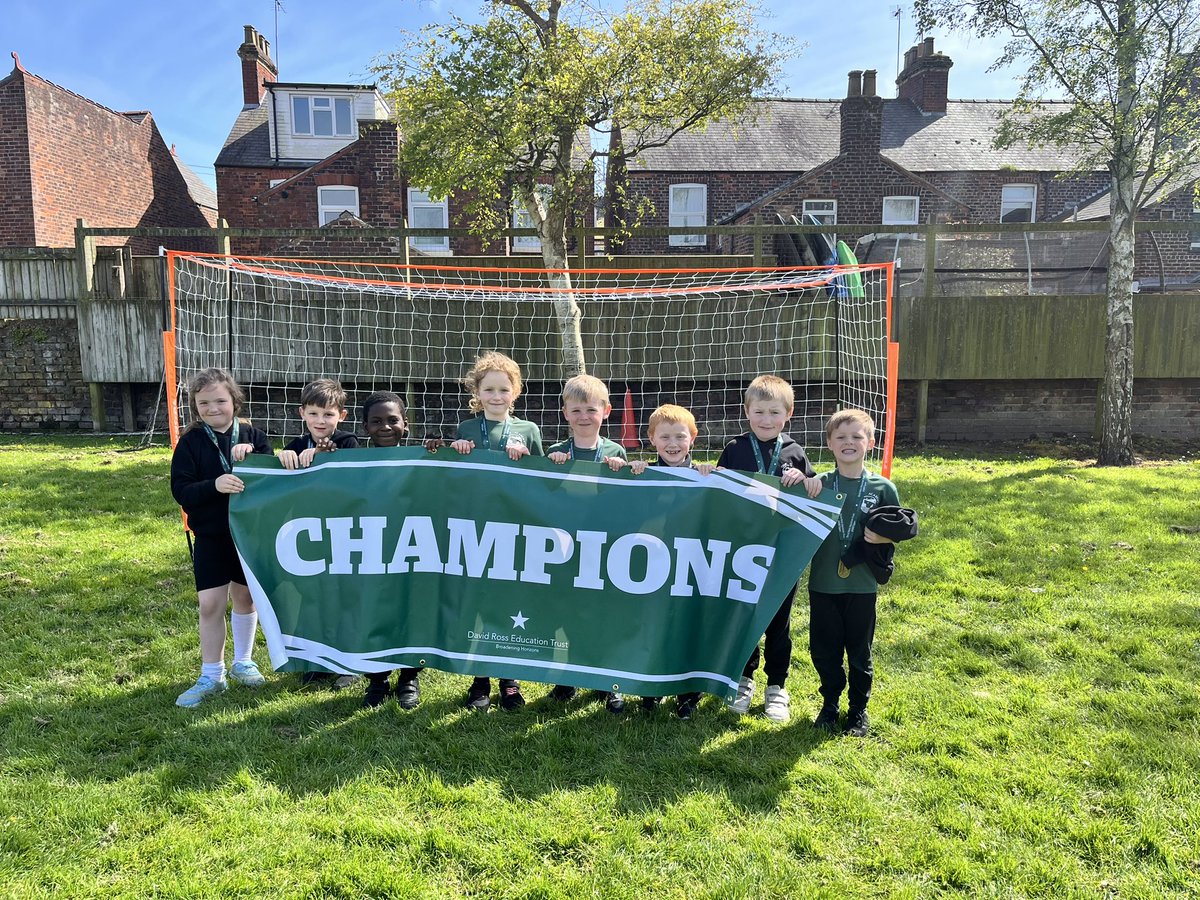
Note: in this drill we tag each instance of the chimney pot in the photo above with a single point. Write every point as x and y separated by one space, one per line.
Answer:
855 86
927 47
868 83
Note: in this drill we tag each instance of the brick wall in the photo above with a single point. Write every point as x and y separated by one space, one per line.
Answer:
16 186
43 381
86 161
1163 408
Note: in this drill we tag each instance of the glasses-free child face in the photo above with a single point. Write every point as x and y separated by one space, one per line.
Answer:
496 395
767 418
850 444
673 441
585 418
215 405
385 424
321 421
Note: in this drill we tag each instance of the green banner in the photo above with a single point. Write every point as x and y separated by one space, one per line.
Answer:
647 584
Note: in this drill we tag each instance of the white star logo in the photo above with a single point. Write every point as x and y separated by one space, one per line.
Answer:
519 620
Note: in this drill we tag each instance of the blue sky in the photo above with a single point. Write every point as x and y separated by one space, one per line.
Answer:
179 59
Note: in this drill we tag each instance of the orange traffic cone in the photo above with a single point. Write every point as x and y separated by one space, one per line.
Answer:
629 430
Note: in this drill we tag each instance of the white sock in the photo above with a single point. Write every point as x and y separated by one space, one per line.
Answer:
215 671
242 625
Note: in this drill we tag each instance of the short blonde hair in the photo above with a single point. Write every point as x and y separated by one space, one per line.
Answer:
582 388
771 387
847 417
670 414
491 361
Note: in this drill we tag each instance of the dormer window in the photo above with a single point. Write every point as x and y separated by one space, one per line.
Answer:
320 116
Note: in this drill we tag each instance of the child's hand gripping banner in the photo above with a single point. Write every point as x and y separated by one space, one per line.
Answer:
649 584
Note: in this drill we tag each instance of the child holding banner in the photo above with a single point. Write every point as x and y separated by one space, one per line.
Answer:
841 599
494 383
585 407
322 408
383 419
766 449
201 481
672 431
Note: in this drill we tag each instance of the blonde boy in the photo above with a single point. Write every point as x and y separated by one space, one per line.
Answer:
766 449
586 407
841 600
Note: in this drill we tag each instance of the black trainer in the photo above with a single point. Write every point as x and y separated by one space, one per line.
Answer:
477 696
857 723
377 689
685 705
650 704
614 702
563 693
510 694
827 718
408 692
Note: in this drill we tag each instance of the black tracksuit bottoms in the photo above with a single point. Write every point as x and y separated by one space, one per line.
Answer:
842 625
777 648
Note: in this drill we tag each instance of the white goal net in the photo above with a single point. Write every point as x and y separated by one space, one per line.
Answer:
695 337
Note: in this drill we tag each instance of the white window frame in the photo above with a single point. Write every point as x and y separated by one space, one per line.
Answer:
825 211
522 219
892 219
1010 204
679 218
332 207
1195 234
419 200
315 103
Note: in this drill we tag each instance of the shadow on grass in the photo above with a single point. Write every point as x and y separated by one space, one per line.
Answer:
306 742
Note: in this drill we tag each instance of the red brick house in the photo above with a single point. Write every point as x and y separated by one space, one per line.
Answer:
64 157
864 159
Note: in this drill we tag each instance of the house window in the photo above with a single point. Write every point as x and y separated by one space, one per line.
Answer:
689 206
1017 202
426 213
333 201
322 116
901 210
1195 225
824 211
522 219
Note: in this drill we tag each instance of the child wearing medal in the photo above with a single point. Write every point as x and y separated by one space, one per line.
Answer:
201 481
767 450
585 407
494 383
841 600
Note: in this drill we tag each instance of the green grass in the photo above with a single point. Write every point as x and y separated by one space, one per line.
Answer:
1036 724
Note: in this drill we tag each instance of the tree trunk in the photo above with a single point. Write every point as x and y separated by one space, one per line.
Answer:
552 228
1116 412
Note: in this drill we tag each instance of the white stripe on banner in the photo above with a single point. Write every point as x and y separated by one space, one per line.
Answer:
798 508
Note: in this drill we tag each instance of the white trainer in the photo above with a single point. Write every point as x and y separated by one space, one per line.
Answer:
776 704
745 693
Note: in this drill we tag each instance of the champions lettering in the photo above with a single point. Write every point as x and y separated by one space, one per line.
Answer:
505 551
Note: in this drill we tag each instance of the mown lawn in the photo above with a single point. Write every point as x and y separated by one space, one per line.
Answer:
1036 723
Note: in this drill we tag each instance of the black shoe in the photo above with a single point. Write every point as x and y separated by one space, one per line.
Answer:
827 718
563 693
510 694
408 692
685 705
477 696
857 723
650 704
614 702
377 690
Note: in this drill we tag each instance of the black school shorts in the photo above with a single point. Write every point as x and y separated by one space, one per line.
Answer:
215 562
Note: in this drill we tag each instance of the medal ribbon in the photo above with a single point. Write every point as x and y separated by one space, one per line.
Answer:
599 451
483 427
226 464
846 530
758 457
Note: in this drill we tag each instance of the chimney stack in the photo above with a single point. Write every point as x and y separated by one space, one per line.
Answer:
861 116
925 79
257 66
